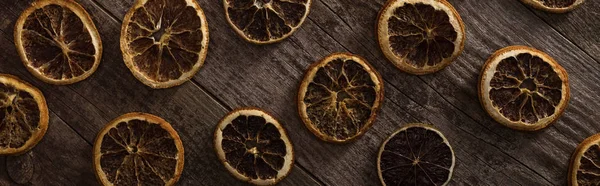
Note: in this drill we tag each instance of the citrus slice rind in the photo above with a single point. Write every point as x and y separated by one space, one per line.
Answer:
339 97
266 21
420 36
584 167
400 163
58 41
164 42
554 6
138 148
523 88
254 147
23 115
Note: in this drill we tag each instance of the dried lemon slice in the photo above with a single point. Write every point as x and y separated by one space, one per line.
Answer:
554 6
584 168
417 154
420 36
254 147
23 115
58 41
340 97
266 21
164 42
138 149
523 88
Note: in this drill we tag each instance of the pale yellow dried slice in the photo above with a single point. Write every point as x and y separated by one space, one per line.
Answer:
164 42
138 149
523 88
585 163
58 41
254 146
416 154
266 21
339 97
23 115
554 6
420 36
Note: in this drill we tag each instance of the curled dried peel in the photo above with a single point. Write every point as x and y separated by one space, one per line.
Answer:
23 115
138 149
164 42
266 21
420 36
523 88
339 97
253 146
584 168
58 41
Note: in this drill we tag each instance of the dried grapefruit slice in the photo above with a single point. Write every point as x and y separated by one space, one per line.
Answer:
138 149
585 163
266 21
164 42
420 36
340 97
523 88
254 147
23 115
58 41
554 6
417 154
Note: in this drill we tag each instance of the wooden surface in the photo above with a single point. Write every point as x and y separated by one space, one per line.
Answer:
237 73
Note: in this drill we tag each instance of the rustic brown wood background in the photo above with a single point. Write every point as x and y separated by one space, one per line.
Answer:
237 73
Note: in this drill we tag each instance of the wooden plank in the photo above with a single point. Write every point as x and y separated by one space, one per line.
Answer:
61 158
113 91
579 26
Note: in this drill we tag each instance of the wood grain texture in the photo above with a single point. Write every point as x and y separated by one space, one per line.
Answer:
237 73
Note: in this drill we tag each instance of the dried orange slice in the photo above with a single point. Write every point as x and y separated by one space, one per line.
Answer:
266 21
254 147
23 115
420 36
585 163
58 41
138 149
340 97
417 154
554 6
164 42
523 88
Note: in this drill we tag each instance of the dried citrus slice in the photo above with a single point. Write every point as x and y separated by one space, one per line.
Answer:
523 88
254 147
420 36
585 163
164 42
340 97
417 154
266 21
58 41
138 149
554 6
23 115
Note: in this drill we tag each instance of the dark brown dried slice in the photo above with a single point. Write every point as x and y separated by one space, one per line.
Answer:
416 154
58 41
340 97
138 149
585 163
254 147
164 42
266 21
554 6
421 36
23 115
523 88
